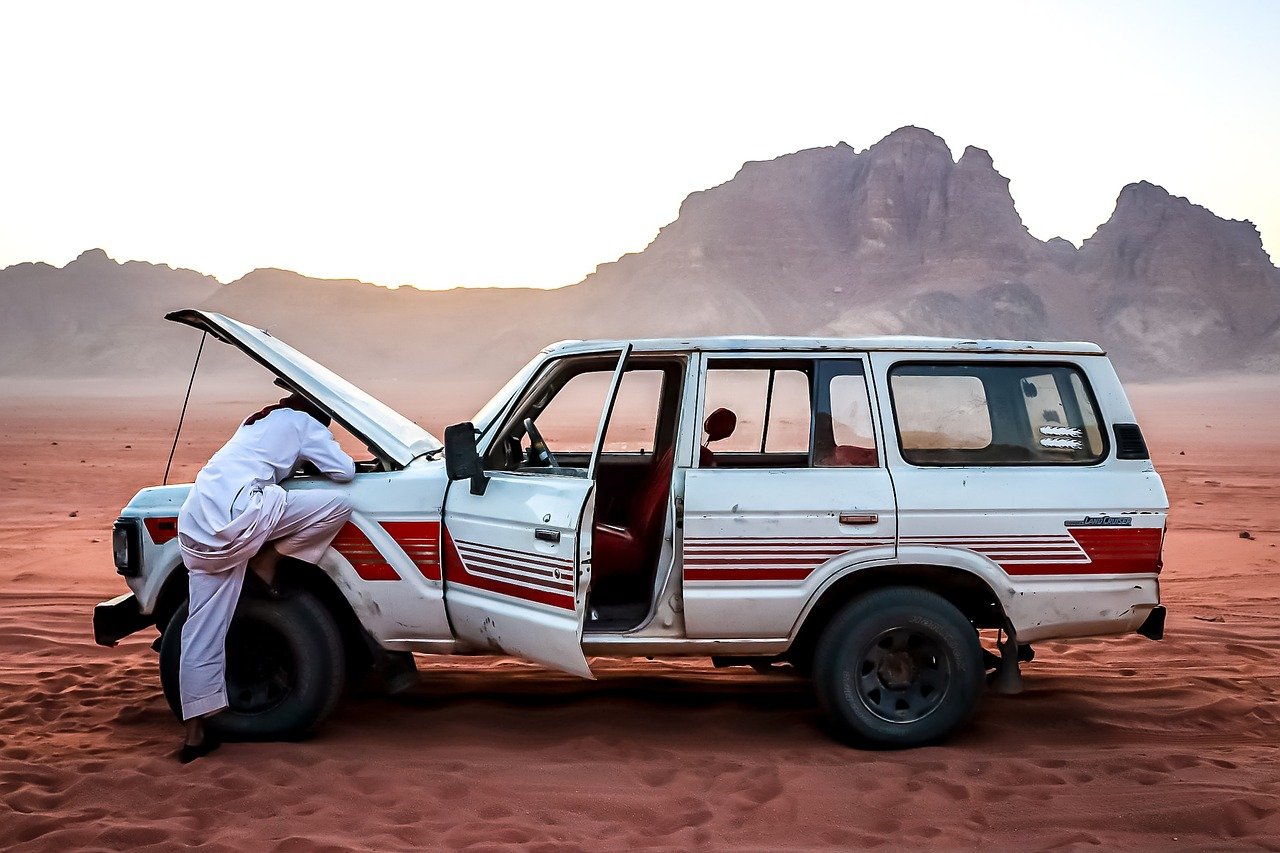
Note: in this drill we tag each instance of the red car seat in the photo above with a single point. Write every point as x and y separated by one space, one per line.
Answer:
623 557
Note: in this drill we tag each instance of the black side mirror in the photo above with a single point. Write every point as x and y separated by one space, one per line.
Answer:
461 461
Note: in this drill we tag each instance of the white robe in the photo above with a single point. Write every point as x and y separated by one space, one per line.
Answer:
235 507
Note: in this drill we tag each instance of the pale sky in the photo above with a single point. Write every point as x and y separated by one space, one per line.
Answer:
524 143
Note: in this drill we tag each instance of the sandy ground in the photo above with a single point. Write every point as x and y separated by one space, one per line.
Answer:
1116 743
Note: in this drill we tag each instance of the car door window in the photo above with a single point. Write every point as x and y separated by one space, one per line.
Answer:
633 423
568 421
565 404
772 413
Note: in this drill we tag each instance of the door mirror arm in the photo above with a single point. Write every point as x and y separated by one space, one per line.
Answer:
461 461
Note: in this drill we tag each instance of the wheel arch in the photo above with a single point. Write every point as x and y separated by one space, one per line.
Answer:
174 591
355 640
296 574
970 591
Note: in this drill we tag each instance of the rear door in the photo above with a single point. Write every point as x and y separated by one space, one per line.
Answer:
517 559
799 483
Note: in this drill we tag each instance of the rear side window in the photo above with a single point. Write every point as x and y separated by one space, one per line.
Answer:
995 414
771 403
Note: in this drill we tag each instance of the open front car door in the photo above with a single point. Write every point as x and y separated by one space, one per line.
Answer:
517 557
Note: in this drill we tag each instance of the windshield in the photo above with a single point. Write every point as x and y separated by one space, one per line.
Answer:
484 418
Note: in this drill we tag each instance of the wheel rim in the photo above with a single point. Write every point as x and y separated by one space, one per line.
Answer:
261 669
903 675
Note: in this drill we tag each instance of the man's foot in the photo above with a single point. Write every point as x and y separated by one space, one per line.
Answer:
263 564
399 673
191 751
255 584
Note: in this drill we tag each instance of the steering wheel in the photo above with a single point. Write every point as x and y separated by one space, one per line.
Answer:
538 451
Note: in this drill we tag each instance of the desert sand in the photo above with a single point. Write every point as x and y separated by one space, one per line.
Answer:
1116 742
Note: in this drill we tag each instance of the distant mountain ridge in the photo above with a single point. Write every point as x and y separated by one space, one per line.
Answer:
898 238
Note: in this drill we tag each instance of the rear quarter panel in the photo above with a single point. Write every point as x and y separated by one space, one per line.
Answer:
1056 576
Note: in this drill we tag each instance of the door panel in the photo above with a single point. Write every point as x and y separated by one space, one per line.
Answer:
754 540
508 586
517 559
760 525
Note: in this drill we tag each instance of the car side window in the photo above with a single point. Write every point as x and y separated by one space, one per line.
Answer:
633 423
958 413
757 413
843 435
565 403
568 422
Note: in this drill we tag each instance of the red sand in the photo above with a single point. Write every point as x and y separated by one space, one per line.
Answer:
1116 742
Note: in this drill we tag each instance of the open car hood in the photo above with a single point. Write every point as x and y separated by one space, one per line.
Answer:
386 432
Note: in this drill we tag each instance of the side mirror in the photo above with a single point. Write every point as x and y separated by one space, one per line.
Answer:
461 461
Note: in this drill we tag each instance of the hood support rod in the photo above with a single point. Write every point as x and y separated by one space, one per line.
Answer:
182 416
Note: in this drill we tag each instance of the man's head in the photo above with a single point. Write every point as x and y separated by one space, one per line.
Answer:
294 401
302 404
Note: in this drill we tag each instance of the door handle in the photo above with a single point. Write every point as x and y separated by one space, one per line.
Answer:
546 534
859 518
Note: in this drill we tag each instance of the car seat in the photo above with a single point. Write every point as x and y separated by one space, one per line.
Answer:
624 556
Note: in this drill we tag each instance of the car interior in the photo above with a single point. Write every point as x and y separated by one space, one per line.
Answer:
633 475
762 414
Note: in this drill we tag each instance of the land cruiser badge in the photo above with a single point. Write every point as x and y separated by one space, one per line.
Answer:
1100 521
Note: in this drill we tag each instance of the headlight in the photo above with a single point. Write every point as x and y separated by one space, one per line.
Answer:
126 547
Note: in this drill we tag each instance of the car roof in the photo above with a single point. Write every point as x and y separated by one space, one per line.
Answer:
771 343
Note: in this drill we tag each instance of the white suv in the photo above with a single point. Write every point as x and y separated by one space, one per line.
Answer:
855 510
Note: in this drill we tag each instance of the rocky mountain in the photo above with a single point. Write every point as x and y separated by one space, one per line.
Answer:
93 316
899 237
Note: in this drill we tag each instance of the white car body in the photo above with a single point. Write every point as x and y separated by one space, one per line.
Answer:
747 556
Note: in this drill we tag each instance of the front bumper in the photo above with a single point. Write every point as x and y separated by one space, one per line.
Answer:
118 618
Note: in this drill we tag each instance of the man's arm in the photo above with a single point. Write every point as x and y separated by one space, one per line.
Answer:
321 449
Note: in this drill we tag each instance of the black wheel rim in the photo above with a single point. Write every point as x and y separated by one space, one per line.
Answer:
261 669
903 675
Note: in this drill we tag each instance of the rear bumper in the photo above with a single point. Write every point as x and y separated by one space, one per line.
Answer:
1153 627
118 618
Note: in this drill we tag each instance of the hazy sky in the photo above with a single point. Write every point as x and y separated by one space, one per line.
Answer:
523 143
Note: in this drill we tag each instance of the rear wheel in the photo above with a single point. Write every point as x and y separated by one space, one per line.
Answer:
898 667
285 667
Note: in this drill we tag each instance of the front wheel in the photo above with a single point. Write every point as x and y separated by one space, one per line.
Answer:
285 667
898 667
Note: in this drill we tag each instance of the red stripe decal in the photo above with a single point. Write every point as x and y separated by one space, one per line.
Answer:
1110 550
455 571
1132 550
480 559
797 542
420 540
731 574
766 558
362 555
522 556
1107 551
161 530
565 586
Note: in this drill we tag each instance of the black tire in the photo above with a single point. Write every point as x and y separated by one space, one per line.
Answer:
286 667
898 667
